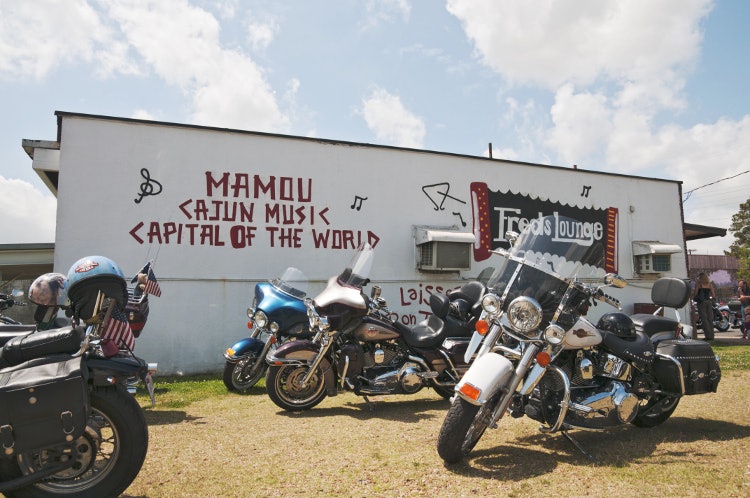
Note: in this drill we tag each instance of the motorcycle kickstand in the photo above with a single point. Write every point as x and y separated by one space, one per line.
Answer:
578 446
369 404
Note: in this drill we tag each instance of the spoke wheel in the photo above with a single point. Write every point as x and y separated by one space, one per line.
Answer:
240 376
107 456
462 428
655 411
285 389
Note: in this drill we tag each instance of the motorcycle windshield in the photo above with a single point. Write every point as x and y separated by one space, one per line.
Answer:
559 245
358 270
292 282
548 253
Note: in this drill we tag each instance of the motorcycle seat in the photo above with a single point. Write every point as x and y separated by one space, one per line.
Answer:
652 324
638 349
428 333
40 344
8 332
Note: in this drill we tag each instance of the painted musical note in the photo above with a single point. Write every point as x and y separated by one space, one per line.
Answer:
586 190
463 223
441 190
358 202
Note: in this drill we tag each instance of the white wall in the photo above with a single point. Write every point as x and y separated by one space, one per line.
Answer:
207 283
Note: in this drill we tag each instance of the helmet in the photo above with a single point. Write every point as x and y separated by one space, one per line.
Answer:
619 324
88 277
50 289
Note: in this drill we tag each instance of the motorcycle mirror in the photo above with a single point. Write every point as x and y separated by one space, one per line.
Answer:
615 280
511 237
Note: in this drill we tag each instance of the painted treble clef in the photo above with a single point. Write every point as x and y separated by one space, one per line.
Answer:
148 187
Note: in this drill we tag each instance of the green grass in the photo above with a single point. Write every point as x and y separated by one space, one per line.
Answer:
205 441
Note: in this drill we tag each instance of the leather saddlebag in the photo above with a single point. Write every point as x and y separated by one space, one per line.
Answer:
43 402
700 368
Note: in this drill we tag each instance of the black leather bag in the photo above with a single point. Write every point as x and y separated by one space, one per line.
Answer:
43 402
697 363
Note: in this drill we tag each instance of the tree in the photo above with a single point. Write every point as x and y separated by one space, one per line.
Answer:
740 248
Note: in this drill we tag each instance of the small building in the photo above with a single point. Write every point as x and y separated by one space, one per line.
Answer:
219 210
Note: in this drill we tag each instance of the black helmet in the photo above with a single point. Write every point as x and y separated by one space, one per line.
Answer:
619 324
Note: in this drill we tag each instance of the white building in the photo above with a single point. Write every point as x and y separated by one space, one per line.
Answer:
219 210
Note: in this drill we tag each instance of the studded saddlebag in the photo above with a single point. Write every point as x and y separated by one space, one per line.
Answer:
697 364
43 402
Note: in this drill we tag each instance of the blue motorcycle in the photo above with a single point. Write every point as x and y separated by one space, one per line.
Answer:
278 315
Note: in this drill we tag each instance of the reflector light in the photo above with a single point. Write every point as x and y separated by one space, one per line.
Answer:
543 359
250 325
470 391
482 327
230 352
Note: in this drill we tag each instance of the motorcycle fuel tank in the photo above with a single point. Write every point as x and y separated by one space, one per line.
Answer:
373 329
581 335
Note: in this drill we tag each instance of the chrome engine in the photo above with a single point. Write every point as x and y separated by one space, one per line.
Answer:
601 393
387 370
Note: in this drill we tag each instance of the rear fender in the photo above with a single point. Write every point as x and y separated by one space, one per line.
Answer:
487 375
105 372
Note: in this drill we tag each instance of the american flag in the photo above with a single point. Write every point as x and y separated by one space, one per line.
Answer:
151 285
117 330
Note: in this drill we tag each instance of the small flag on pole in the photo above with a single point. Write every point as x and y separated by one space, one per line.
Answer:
150 284
117 329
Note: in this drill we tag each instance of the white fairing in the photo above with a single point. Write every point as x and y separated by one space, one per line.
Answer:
476 339
488 373
582 334
337 293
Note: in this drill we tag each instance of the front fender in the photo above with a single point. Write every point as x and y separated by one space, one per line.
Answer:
485 377
302 353
244 347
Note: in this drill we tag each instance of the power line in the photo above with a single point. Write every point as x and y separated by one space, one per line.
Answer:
690 192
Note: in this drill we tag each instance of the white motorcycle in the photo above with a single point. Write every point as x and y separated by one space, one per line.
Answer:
541 358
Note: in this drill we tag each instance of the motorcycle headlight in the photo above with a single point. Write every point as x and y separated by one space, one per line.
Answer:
250 313
524 315
554 334
491 304
261 320
274 327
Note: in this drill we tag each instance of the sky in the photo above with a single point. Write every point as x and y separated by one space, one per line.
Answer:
654 88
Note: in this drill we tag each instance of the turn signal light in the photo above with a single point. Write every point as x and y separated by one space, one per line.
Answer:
230 352
482 327
470 391
543 359
250 324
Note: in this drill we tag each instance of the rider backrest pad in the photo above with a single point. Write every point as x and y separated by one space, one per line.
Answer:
670 292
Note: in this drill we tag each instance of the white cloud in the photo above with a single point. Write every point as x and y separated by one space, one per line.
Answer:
391 122
182 45
28 214
386 11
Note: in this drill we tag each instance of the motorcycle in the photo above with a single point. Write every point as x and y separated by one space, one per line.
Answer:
8 301
540 357
68 425
359 346
722 319
278 315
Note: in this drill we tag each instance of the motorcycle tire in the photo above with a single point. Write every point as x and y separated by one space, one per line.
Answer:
723 324
112 451
462 428
241 375
285 393
655 412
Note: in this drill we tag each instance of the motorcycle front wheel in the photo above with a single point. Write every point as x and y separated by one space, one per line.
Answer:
285 390
462 428
240 376
109 455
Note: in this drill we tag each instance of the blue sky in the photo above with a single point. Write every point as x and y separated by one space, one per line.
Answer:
648 88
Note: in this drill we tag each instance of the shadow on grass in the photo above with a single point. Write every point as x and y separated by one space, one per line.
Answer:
166 417
396 407
539 454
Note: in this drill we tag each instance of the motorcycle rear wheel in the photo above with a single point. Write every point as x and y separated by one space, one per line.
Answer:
111 452
240 376
284 390
462 428
655 412
723 324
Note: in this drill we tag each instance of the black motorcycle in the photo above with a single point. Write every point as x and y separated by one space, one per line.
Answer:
358 345
68 425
